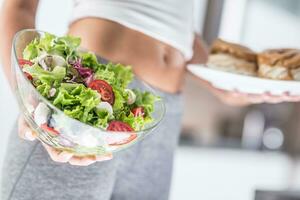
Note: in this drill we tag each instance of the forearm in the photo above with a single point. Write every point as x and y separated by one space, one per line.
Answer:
15 15
200 51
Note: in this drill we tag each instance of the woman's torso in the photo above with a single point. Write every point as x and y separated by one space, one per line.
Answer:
155 58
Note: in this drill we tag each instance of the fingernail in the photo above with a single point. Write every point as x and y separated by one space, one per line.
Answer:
104 158
28 136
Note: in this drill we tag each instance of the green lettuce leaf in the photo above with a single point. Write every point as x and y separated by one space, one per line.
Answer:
123 75
78 102
49 77
46 42
89 60
119 100
31 50
69 41
117 75
137 123
102 118
75 112
64 99
65 45
145 100
44 89
107 75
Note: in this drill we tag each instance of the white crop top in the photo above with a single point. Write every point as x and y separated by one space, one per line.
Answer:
170 21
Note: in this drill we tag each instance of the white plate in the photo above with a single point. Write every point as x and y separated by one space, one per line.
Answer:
248 84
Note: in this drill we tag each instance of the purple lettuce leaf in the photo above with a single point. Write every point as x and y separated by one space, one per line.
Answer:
84 72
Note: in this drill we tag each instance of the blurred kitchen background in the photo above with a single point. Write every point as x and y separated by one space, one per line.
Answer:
225 152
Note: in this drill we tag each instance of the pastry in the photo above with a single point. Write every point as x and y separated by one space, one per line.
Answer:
232 57
282 64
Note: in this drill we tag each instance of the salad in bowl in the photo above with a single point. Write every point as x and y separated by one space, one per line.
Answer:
78 102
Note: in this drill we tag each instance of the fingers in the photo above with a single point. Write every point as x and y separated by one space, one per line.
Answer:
290 98
88 160
200 51
64 157
254 98
236 98
25 131
58 156
286 97
232 98
268 98
104 157
82 161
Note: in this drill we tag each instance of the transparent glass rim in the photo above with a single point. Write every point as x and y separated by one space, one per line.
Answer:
48 103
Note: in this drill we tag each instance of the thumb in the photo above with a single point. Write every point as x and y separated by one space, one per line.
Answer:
25 131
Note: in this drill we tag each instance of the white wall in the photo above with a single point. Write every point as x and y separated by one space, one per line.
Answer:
260 25
279 28
222 174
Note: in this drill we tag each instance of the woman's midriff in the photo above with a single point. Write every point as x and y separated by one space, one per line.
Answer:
157 63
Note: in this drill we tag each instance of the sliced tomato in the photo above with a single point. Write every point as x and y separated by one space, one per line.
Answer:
138 111
119 126
128 140
48 129
23 62
104 89
28 76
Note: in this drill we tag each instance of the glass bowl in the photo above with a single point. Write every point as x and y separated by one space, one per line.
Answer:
70 134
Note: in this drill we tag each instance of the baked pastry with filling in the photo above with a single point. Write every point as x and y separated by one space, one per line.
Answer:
232 57
282 64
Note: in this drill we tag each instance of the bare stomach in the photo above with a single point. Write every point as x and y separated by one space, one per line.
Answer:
155 62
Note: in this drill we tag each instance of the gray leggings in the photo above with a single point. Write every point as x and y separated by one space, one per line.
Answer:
140 172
